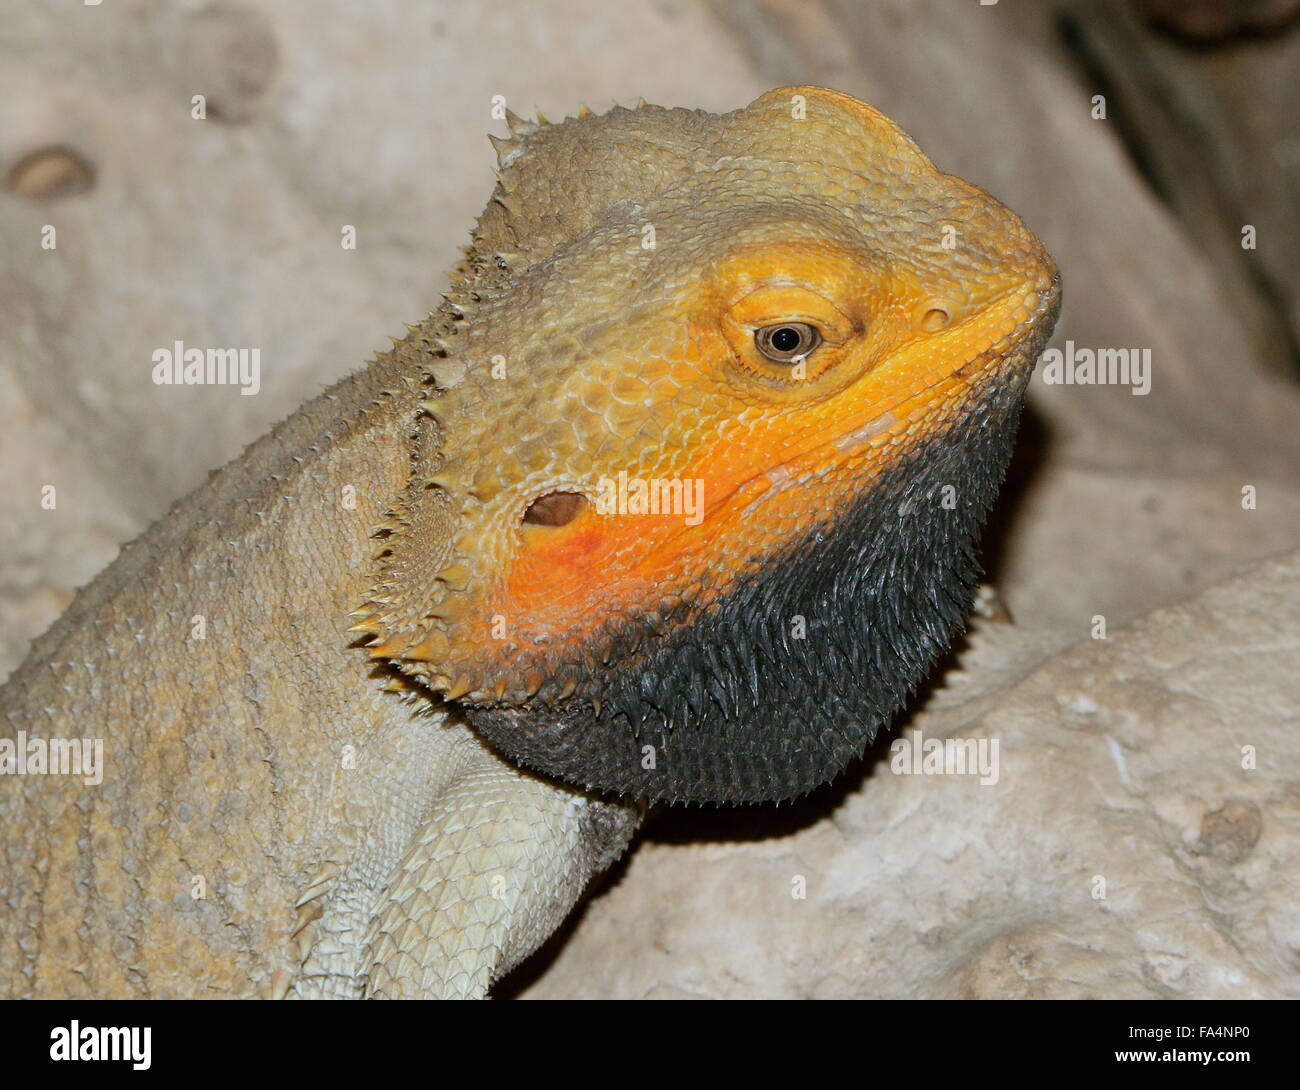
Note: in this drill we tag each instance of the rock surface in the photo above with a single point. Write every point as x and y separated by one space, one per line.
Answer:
1137 841
1120 758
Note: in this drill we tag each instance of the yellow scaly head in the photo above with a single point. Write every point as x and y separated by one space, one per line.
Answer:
722 404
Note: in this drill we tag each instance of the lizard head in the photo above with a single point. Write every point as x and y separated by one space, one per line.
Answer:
722 404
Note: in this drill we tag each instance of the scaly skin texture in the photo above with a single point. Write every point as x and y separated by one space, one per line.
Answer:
294 672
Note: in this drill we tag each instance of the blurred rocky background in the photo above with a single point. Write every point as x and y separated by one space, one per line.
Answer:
1142 838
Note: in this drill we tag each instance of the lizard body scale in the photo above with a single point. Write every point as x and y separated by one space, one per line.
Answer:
423 716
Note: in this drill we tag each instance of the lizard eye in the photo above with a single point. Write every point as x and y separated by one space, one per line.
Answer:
787 342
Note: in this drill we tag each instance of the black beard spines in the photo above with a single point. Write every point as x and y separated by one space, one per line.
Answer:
735 706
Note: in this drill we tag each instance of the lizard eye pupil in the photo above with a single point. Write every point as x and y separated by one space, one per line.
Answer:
787 342
785 339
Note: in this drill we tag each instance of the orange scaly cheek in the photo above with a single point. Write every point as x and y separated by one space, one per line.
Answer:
574 553
569 579
554 564
571 575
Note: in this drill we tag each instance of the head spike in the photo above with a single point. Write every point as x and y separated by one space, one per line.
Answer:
389 648
458 688
456 576
507 149
433 648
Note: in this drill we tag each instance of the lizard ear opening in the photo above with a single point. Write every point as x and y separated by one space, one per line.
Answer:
555 509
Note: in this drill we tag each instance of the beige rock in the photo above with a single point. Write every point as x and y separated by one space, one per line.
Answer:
1135 844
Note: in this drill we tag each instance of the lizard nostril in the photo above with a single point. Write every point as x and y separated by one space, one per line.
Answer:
555 509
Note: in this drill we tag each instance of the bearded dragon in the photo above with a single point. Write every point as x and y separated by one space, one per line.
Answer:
381 696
